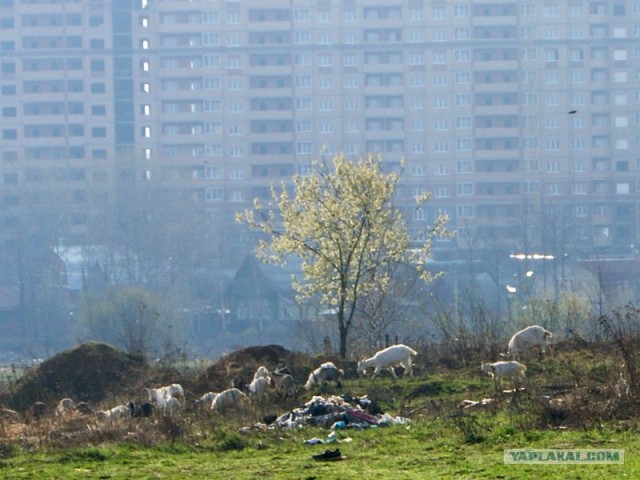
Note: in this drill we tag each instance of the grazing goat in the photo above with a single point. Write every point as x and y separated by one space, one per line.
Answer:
525 340
161 396
258 388
513 370
204 400
284 385
171 406
113 414
388 358
261 372
327 372
65 407
6 414
238 382
84 408
38 410
142 410
229 398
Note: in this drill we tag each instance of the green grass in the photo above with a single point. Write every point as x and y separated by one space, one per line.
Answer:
421 449
435 444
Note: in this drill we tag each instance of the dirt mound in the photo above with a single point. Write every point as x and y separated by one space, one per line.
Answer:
243 363
271 356
89 373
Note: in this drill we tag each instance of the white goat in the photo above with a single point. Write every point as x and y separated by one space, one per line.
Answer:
525 340
229 398
323 374
113 414
162 397
65 407
258 388
388 358
205 400
171 406
512 370
261 372
162 393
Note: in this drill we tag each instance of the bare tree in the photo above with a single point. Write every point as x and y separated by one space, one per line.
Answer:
133 319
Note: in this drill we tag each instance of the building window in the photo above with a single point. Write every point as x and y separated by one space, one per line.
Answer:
553 189
98 132
465 211
464 189
9 134
440 146
464 166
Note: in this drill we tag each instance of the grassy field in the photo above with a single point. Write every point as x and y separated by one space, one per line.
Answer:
425 449
435 439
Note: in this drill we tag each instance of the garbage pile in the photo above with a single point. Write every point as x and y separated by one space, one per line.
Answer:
338 412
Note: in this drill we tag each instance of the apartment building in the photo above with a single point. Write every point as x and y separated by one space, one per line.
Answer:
520 117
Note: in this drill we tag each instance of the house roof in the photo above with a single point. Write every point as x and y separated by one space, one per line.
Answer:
271 279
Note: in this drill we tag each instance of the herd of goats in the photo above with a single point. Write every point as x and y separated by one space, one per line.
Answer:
170 399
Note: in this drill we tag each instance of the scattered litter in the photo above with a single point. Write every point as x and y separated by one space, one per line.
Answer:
471 404
331 438
336 413
387 420
313 441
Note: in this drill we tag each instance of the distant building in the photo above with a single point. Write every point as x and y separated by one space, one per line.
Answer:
520 117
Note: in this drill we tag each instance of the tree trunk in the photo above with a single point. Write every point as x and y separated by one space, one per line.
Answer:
343 330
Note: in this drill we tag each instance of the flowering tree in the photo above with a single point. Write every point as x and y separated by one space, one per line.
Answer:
341 222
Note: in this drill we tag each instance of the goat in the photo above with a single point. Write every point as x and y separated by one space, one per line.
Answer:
171 406
173 390
523 341
161 395
239 382
6 414
142 410
65 407
204 400
284 385
113 414
258 388
389 358
229 398
513 370
323 374
38 410
84 408
261 372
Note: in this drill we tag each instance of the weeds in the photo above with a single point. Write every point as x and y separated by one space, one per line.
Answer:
470 427
623 327
231 441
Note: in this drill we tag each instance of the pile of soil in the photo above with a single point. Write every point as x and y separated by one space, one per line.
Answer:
90 373
243 363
